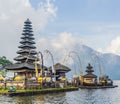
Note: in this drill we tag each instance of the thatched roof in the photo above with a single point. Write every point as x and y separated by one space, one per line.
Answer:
89 76
61 68
23 66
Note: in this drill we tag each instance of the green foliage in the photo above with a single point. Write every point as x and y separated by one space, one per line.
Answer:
2 72
3 63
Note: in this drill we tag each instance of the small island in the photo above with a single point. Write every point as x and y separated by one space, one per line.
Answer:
90 81
31 76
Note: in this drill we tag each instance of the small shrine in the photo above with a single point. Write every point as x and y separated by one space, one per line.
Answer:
89 78
61 70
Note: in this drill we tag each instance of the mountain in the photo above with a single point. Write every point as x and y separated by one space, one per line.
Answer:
112 63
108 63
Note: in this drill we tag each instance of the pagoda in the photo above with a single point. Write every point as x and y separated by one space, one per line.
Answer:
25 61
89 78
27 50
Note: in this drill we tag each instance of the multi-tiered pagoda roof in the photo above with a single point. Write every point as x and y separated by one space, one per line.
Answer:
27 50
89 71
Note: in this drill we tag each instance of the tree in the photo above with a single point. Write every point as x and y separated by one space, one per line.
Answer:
3 63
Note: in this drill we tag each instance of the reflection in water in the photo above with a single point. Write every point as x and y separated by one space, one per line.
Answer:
83 96
55 98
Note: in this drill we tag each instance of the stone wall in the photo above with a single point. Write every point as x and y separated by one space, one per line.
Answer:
17 84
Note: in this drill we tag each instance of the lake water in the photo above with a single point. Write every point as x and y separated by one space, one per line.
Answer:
83 96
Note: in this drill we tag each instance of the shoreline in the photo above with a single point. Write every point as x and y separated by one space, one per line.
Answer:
28 92
97 87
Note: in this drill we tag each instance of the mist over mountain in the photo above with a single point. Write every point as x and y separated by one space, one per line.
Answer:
108 63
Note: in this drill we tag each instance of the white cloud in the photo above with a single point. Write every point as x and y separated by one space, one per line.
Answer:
100 50
13 13
59 46
114 46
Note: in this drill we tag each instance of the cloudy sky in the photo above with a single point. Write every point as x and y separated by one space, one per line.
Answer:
61 24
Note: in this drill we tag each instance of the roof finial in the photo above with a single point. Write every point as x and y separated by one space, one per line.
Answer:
28 19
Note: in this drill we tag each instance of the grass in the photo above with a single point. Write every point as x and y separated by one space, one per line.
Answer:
39 90
45 89
3 91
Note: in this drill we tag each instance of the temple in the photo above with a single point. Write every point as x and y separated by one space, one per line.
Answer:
89 78
27 55
25 61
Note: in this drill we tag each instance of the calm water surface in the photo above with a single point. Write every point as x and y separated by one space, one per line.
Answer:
83 96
